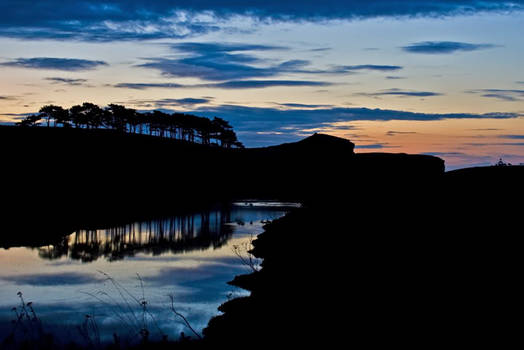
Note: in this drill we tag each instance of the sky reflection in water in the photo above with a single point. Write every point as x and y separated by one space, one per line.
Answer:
189 257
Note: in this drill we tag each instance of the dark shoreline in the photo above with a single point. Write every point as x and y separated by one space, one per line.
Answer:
430 268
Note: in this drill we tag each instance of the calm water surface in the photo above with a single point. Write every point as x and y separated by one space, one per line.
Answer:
189 258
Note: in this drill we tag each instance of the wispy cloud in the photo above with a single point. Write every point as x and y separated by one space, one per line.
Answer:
500 94
449 154
229 85
395 133
400 93
513 137
234 61
302 105
374 146
144 86
171 102
67 81
444 47
53 63
218 62
258 84
375 67
518 144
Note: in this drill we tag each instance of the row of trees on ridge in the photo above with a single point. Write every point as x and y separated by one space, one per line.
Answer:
180 126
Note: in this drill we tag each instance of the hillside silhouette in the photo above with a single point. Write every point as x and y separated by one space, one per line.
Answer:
82 175
178 126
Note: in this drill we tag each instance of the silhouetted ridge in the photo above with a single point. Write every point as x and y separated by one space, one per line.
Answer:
323 140
178 126
318 143
395 166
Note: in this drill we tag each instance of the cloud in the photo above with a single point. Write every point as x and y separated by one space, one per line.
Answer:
285 125
375 67
144 86
373 146
401 93
234 61
97 20
301 105
501 94
496 144
171 102
209 67
448 154
52 63
444 47
214 48
259 126
395 133
486 129
501 97
54 279
513 137
392 77
185 101
331 115
258 84
218 62
100 21
229 85
321 49
67 81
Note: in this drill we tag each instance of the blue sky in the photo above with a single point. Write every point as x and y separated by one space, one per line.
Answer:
449 74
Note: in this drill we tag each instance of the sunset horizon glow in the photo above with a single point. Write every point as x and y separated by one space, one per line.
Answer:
438 78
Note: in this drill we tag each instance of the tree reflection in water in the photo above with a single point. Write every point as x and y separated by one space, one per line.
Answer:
177 234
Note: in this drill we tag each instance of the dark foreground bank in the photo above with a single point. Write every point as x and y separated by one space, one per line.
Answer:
388 250
428 265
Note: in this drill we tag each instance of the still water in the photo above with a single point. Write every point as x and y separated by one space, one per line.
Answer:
121 280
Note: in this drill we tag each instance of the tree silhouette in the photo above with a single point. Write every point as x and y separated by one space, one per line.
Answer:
56 113
29 121
115 117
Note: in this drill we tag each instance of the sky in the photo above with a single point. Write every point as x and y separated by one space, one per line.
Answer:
442 78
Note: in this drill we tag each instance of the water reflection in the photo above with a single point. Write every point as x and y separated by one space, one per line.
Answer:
189 256
178 234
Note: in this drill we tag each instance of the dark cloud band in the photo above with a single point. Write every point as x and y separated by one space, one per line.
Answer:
444 47
106 20
401 93
262 126
52 63
227 85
